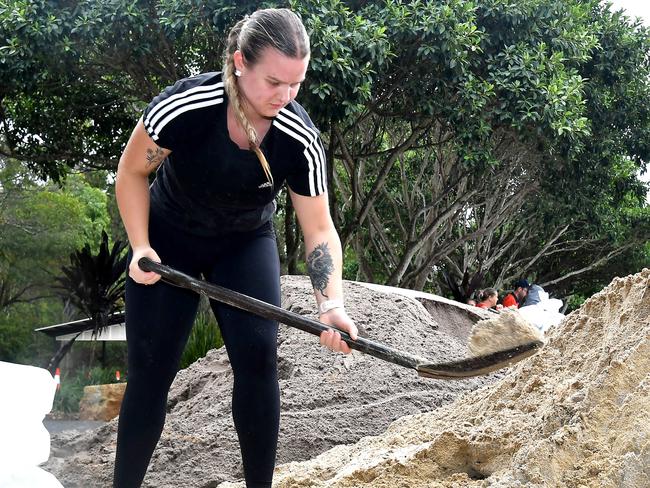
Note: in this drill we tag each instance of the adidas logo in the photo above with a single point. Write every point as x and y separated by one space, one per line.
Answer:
266 184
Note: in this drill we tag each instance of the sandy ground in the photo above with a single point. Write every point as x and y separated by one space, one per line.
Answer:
576 415
327 399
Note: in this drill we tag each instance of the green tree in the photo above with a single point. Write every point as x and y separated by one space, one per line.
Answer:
40 224
463 137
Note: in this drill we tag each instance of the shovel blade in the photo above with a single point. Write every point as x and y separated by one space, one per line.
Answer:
478 365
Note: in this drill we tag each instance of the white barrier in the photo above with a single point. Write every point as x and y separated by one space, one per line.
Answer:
27 395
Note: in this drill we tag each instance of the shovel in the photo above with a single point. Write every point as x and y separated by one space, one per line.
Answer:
451 370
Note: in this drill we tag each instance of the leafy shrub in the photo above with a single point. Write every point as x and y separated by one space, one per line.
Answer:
205 335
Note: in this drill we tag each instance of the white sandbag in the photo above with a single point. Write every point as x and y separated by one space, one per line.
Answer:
543 315
30 389
552 305
27 396
24 444
29 477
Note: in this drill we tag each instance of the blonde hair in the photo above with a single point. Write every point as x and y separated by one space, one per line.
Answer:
280 29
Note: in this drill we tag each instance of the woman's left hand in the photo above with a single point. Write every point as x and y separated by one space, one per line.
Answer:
332 339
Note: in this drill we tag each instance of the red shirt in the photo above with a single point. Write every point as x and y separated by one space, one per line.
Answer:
510 300
482 305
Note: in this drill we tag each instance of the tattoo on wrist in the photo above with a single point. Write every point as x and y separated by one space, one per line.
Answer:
154 157
320 267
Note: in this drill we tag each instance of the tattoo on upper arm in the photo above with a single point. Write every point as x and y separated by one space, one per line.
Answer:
155 157
320 266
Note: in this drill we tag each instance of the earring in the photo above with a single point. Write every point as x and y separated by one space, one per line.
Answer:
237 72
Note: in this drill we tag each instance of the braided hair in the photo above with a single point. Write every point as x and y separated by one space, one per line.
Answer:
280 29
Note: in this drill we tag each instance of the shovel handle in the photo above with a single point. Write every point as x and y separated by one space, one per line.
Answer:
273 312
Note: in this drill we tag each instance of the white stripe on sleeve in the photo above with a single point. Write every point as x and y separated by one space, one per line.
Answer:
314 152
154 132
217 87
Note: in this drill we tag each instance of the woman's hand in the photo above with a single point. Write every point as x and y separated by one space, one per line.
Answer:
138 275
332 339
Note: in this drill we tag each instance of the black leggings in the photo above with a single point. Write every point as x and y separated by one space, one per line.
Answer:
158 322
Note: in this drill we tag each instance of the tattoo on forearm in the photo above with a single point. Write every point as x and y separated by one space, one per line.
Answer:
320 266
154 157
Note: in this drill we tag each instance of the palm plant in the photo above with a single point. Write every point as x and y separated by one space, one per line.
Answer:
94 284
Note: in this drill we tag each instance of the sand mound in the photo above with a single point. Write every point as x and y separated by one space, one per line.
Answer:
327 399
575 415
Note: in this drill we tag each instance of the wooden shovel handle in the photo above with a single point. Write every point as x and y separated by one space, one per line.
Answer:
269 311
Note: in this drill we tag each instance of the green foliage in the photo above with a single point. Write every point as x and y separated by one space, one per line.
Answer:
477 65
347 51
62 218
205 336
94 201
350 265
431 110
40 224
69 395
46 220
18 341
574 302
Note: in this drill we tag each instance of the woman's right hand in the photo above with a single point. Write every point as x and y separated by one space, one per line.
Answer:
137 274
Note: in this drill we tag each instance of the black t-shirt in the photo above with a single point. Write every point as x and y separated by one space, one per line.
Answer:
210 186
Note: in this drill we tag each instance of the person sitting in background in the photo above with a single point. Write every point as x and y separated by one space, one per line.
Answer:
534 296
518 295
488 298
471 301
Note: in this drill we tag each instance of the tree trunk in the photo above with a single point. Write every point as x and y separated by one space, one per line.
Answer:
291 237
60 354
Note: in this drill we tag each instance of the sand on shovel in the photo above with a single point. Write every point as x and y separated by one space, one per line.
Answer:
507 329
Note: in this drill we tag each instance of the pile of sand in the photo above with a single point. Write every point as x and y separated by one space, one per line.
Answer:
327 399
575 415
